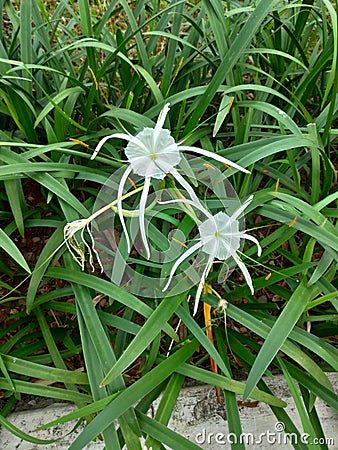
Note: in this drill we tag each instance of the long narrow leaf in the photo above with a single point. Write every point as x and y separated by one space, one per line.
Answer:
278 334
8 245
132 394
234 53
145 336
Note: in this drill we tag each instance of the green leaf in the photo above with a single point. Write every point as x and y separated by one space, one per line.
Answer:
16 200
113 291
8 245
33 370
22 435
223 111
45 257
53 102
279 333
232 56
164 435
228 384
132 394
199 334
98 339
145 336
26 387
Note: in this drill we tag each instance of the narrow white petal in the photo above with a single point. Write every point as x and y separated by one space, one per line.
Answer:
252 239
134 139
183 257
90 253
198 205
143 202
185 185
161 118
244 270
201 283
214 156
125 136
242 235
94 249
241 209
119 204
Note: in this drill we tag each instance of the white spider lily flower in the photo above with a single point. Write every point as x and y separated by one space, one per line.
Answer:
220 238
75 246
153 153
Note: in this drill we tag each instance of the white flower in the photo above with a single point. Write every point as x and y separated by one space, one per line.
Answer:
75 247
220 238
153 153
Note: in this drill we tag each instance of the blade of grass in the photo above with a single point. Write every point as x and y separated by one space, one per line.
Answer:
26 387
234 53
113 291
24 436
8 245
41 266
16 200
228 384
165 435
95 374
145 336
132 394
307 426
26 38
165 408
278 334
33 370
198 333
105 354
51 345
231 405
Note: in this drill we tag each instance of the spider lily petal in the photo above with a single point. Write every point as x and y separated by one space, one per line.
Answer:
161 118
202 281
214 156
143 201
244 270
197 205
119 204
185 185
239 211
125 136
252 239
183 257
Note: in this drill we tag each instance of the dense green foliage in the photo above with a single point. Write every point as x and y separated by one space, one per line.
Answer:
71 73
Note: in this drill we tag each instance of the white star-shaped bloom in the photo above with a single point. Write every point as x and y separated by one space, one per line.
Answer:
153 153
219 238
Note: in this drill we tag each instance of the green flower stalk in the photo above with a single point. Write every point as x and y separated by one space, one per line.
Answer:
77 247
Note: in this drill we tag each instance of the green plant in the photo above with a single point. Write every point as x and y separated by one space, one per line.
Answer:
255 84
